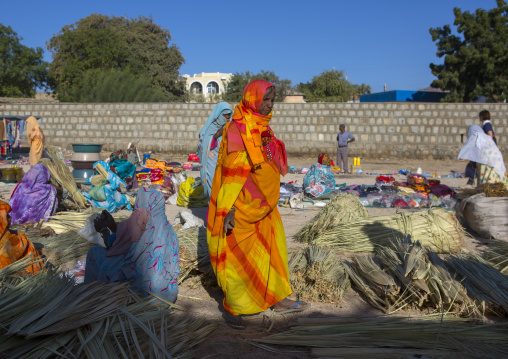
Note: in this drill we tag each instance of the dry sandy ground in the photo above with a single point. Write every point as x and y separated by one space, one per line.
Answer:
206 300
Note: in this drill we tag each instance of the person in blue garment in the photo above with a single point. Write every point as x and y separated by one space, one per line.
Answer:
209 141
142 250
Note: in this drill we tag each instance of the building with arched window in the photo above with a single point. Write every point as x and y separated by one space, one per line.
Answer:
207 84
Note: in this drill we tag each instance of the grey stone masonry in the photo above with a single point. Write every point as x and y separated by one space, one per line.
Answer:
382 130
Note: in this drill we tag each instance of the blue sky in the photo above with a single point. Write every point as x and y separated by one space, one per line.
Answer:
375 42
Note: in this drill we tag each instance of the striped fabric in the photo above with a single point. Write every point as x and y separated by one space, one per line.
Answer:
251 262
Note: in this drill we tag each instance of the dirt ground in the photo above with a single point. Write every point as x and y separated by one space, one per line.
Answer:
202 299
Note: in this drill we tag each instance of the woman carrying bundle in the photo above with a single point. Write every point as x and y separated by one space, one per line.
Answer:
142 250
210 138
245 235
481 149
34 198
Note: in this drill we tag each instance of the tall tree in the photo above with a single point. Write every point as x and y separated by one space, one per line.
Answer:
102 43
22 68
239 80
332 86
475 61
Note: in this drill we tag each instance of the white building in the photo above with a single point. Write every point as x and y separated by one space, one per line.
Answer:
207 84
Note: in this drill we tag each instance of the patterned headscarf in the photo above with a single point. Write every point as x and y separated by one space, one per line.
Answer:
250 122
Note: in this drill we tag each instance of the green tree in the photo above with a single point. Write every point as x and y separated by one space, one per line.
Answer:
239 80
475 61
116 86
22 68
99 42
332 86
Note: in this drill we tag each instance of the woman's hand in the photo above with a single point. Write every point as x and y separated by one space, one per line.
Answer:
218 133
105 220
229 221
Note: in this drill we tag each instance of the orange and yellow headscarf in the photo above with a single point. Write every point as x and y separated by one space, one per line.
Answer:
250 122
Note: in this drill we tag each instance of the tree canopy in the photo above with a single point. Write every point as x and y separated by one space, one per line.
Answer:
99 43
332 86
475 63
239 80
22 68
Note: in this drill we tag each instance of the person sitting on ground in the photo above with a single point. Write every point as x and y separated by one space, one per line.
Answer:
142 250
13 244
34 198
209 141
480 148
246 239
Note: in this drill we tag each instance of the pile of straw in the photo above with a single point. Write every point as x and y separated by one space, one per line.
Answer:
194 256
47 315
497 255
63 176
435 229
409 277
340 210
490 190
429 336
317 275
485 284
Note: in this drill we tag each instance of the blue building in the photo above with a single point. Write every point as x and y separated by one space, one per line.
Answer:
404 96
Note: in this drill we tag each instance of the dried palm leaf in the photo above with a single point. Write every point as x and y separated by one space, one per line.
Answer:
341 209
497 255
393 337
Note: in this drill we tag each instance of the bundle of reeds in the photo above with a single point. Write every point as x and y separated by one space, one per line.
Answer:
47 315
317 275
497 255
409 277
72 221
61 174
341 209
484 283
394 337
194 256
62 248
435 229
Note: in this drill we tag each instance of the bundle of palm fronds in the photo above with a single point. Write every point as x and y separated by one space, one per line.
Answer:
47 315
63 176
484 283
436 229
193 247
341 209
62 248
394 337
317 275
63 222
497 255
409 277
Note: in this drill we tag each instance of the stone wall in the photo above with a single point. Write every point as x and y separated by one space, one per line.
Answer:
382 130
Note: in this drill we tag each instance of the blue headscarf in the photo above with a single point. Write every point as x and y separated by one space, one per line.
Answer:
207 157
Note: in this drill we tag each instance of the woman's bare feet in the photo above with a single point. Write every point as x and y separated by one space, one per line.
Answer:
290 306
